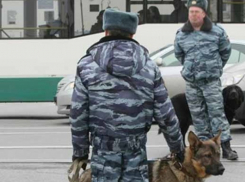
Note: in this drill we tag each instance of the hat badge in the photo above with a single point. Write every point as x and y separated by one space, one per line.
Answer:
193 2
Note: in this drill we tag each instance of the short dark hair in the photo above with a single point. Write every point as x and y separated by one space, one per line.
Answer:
119 33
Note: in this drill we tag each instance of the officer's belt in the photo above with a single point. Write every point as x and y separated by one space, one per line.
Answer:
204 81
119 144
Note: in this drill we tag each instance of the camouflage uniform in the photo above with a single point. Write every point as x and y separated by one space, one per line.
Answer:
118 90
203 55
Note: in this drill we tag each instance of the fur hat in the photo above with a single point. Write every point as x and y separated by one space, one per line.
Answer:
198 3
119 20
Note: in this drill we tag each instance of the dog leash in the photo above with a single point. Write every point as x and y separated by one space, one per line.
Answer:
178 165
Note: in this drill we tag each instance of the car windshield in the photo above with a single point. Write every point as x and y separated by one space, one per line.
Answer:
159 50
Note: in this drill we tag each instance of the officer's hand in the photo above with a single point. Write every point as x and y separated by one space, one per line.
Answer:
83 159
180 156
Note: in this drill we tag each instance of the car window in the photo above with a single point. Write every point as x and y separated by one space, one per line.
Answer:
170 60
237 53
242 57
239 47
234 58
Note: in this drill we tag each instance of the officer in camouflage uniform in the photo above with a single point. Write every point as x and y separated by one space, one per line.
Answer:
118 90
204 48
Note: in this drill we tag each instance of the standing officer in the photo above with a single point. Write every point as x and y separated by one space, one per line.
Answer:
204 48
118 90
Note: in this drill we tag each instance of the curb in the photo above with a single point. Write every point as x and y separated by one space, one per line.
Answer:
34 117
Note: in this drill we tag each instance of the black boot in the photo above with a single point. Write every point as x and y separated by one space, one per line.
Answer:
228 153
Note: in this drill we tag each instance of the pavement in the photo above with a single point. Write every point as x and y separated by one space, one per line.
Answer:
35 131
29 110
57 172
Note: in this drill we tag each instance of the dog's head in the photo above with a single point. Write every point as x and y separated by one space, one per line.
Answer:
233 97
205 155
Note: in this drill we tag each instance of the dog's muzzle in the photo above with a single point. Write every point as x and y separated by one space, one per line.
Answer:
233 95
221 170
215 170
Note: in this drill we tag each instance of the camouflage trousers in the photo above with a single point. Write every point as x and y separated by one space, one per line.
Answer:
118 164
206 105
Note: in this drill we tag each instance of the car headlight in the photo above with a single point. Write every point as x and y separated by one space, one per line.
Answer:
234 79
69 86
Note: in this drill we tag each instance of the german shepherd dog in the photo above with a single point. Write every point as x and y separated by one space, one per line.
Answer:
233 98
202 159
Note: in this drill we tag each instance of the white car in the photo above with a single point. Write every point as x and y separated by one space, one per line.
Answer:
170 69
64 93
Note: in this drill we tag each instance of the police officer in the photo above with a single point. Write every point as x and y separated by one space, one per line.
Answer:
204 48
118 90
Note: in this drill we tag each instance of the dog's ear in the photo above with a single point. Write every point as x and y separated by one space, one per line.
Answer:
194 141
225 92
216 139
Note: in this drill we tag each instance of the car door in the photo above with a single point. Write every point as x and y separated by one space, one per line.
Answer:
170 69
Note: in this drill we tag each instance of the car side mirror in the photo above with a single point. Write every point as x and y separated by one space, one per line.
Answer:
159 61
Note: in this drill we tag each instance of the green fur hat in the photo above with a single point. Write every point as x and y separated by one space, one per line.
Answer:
198 3
118 20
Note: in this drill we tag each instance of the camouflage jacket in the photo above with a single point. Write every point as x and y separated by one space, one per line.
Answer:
118 90
203 53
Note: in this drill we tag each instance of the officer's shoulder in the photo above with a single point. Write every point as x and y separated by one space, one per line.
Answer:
179 34
144 49
85 59
179 31
218 27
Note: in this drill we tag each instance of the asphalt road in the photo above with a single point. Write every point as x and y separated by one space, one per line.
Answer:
38 148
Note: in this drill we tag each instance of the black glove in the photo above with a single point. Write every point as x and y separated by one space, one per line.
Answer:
83 159
180 156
